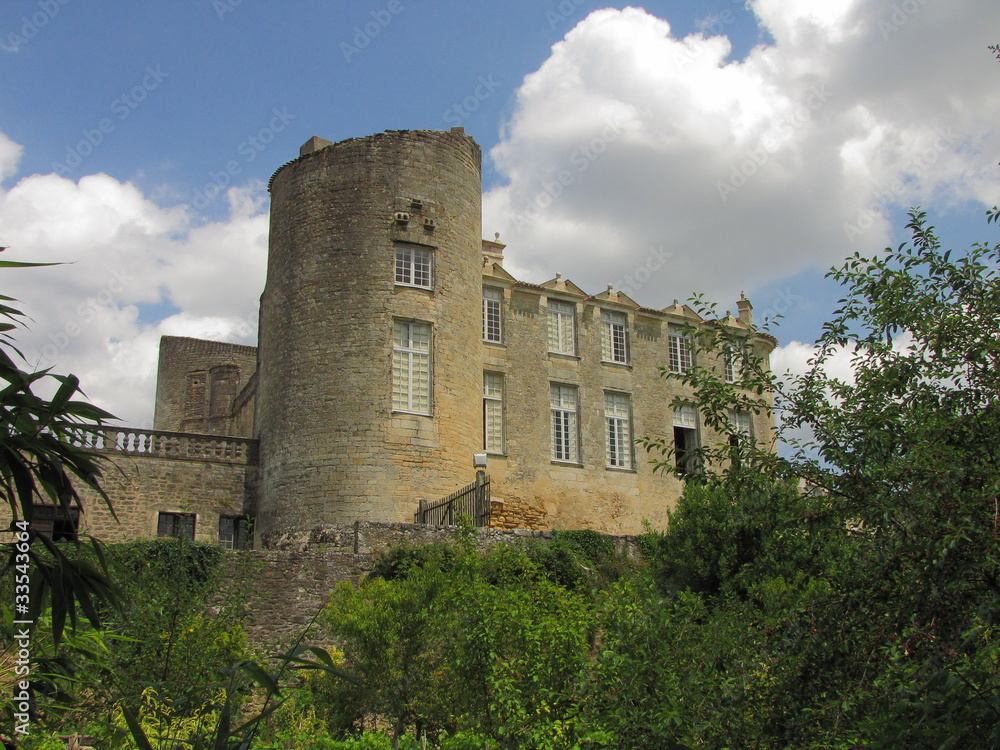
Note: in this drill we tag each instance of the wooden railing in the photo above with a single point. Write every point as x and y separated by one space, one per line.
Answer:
175 445
472 501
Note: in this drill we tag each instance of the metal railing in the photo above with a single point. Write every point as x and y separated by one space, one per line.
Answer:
472 501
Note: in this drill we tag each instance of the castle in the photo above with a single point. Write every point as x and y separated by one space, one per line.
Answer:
394 352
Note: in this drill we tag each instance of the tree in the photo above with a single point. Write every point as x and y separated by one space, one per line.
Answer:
903 453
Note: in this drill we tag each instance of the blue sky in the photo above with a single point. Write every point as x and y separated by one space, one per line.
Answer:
708 146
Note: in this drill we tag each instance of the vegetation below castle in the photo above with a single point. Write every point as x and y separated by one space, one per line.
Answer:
843 596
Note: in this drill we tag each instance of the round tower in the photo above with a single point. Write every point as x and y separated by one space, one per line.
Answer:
369 395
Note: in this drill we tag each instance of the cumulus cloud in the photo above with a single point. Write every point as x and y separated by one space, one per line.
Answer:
130 272
665 166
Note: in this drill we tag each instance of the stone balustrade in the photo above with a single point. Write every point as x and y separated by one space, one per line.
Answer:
173 445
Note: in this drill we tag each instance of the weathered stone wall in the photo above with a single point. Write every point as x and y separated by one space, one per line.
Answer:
292 582
332 448
149 472
538 491
197 382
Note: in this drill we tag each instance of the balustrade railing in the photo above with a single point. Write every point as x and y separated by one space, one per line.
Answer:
176 445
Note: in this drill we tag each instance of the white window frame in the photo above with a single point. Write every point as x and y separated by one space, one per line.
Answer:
685 418
729 364
565 438
618 430
411 366
562 327
681 356
414 266
492 314
740 423
614 337
493 437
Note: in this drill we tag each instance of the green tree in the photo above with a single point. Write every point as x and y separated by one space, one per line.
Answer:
903 453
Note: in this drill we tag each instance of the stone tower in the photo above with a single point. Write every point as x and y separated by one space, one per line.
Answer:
369 383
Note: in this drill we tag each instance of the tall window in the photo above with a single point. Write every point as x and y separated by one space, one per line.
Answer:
492 298
618 429
176 524
565 443
493 412
411 367
729 364
681 359
413 265
233 532
614 344
740 424
685 438
561 331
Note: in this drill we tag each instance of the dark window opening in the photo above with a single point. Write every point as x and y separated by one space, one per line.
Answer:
53 522
685 449
233 532
176 524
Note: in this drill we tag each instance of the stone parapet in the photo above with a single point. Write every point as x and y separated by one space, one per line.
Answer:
181 446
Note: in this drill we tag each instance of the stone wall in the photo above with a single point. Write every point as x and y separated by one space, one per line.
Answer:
292 582
148 472
197 382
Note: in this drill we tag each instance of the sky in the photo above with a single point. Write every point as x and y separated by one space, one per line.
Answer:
679 147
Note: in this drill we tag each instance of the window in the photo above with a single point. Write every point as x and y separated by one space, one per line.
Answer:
685 438
233 532
492 299
413 265
729 364
493 412
561 332
565 444
681 359
740 425
618 444
176 524
53 522
614 343
411 367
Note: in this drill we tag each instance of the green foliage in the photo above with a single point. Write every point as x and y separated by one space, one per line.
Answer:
42 461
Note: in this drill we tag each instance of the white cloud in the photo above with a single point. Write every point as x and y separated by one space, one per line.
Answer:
629 142
10 155
132 271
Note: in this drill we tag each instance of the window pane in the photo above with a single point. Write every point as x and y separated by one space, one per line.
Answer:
492 299
561 333
411 366
618 445
493 412
613 336
564 435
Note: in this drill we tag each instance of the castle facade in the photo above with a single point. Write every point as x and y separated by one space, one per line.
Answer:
394 352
